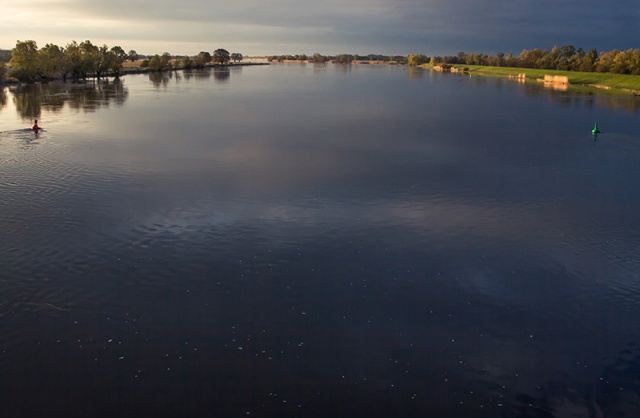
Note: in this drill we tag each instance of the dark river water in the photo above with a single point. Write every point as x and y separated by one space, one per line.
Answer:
318 241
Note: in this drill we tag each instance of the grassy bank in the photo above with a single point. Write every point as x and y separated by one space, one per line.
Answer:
621 82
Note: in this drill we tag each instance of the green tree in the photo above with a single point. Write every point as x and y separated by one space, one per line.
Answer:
25 62
417 59
589 61
118 57
221 56
3 71
53 62
510 60
565 52
633 61
155 63
236 57
576 60
103 61
90 57
546 61
74 60
344 59
605 62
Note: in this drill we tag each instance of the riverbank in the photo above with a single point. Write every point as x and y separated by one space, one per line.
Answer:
135 67
616 83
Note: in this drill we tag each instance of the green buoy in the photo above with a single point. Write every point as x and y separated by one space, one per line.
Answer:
595 129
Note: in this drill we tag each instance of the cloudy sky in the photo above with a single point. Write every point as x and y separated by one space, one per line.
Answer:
257 27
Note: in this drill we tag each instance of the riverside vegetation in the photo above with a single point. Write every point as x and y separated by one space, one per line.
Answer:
610 69
614 69
78 61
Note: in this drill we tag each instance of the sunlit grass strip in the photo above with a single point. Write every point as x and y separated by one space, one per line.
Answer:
615 81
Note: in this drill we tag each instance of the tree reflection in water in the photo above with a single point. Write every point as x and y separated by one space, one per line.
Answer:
160 78
3 98
221 74
31 99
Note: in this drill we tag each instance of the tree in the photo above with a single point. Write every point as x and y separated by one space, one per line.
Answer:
118 56
186 62
74 59
510 60
633 61
221 56
90 57
344 59
317 58
25 63
589 61
5 55
103 60
166 60
132 55
417 59
606 61
562 60
2 72
156 63
53 62
202 59
236 57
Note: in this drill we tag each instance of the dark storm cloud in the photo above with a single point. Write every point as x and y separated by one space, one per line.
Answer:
330 26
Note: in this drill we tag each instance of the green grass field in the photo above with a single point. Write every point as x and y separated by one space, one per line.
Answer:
620 82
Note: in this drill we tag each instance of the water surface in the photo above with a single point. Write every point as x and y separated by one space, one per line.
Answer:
300 240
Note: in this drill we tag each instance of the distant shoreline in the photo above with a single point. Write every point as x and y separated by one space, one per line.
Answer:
607 83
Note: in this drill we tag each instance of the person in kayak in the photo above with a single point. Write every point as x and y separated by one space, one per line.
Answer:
35 125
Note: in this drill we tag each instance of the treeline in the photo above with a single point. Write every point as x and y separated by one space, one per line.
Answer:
167 62
566 57
340 59
78 61
75 61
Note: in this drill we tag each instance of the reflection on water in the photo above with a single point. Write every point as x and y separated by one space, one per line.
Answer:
160 78
614 393
31 99
564 95
381 242
221 74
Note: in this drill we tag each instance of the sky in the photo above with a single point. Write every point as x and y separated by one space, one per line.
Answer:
270 27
